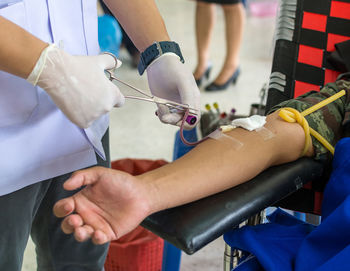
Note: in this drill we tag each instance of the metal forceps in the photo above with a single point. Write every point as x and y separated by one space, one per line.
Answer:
190 113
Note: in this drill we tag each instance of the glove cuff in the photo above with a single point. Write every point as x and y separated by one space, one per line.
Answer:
156 50
34 76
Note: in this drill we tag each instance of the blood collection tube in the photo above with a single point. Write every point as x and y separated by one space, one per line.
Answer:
216 106
232 113
208 107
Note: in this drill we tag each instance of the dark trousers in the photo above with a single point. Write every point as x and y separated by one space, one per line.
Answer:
28 211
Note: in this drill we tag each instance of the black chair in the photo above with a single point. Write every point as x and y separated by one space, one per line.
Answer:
306 34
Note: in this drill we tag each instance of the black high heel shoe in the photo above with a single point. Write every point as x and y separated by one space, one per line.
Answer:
231 80
205 75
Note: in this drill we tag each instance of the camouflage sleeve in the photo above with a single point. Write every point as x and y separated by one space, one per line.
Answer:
330 120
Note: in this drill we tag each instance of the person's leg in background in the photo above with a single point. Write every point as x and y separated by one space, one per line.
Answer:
131 48
126 41
234 24
57 251
205 21
17 212
105 8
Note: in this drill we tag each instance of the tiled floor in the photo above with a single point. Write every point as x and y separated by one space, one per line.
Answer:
156 140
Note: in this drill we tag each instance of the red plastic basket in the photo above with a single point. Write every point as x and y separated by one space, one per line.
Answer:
140 250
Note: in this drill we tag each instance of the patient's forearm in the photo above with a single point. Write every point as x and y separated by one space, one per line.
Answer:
214 166
19 50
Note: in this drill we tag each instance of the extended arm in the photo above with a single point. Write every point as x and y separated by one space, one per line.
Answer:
214 166
114 202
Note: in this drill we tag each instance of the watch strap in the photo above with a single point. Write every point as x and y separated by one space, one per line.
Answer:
156 50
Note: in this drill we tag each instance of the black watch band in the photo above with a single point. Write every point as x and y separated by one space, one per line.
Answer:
156 50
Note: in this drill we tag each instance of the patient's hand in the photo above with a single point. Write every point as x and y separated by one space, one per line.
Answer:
112 204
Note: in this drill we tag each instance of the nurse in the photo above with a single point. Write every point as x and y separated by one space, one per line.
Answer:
54 100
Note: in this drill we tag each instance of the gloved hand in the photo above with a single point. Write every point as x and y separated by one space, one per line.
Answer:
169 78
77 84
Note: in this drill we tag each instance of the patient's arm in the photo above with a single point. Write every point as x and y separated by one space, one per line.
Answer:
113 203
214 166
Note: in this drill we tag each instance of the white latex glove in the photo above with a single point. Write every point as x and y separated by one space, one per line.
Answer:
77 84
169 78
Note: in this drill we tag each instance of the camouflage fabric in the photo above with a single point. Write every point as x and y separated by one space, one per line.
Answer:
329 121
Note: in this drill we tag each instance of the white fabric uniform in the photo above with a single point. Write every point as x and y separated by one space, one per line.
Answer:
37 141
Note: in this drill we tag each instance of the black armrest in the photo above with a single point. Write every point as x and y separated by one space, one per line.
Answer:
192 226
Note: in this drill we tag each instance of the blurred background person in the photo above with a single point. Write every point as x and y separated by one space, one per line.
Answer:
204 23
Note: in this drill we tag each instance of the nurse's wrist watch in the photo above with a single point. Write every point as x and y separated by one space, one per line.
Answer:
156 50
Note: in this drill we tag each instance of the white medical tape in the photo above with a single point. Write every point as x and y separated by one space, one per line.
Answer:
222 137
265 133
254 123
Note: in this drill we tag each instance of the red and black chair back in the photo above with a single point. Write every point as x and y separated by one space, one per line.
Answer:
307 33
